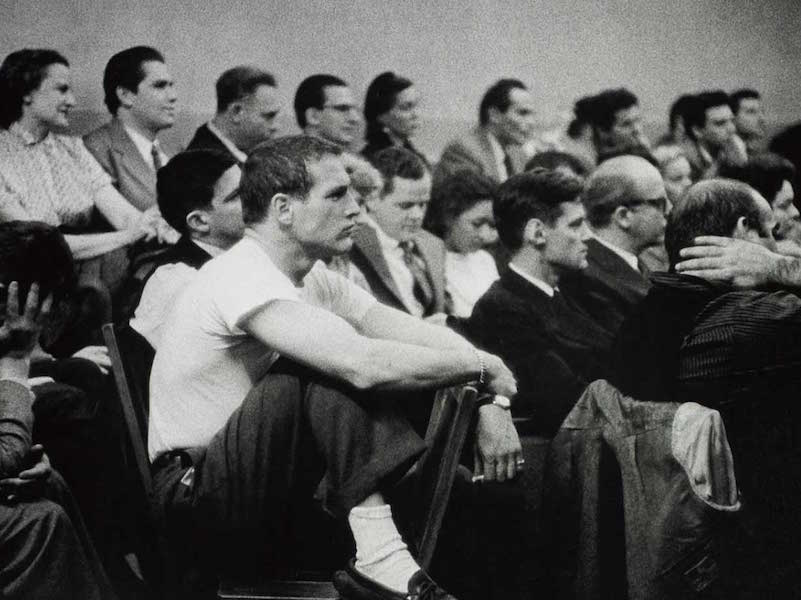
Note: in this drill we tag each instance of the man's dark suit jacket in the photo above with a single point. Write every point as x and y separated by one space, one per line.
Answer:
608 289
184 251
736 351
553 349
368 257
204 139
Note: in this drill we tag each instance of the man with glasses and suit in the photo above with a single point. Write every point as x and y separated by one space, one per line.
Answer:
324 107
626 206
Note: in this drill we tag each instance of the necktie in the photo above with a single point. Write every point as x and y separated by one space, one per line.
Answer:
423 291
154 152
507 163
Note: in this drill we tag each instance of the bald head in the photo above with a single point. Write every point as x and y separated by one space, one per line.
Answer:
626 203
620 181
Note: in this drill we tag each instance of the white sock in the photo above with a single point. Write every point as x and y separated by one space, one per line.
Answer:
381 554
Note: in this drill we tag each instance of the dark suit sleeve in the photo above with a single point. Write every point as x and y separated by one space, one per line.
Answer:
547 386
16 421
456 158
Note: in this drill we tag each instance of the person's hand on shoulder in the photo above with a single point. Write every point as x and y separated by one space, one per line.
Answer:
737 262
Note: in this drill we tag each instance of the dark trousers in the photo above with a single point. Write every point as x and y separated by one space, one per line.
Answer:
78 421
250 485
45 551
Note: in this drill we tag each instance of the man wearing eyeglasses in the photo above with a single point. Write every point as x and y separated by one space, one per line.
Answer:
626 207
324 107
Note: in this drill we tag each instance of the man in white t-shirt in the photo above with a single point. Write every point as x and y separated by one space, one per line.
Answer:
235 448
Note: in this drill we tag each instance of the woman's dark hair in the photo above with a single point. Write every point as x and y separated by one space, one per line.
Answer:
31 251
379 99
21 73
455 194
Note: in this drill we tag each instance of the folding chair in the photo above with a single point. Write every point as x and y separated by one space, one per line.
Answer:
451 417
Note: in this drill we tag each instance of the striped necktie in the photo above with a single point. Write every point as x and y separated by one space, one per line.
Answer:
154 152
423 290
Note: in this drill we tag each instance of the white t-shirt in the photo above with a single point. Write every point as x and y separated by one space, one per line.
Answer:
205 364
158 297
467 277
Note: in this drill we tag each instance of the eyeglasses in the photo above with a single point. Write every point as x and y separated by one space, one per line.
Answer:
660 204
341 108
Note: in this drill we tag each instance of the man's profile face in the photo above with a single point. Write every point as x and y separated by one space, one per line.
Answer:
626 129
339 116
153 103
750 119
566 240
400 212
325 221
761 233
258 117
719 127
649 207
516 125
225 216
785 212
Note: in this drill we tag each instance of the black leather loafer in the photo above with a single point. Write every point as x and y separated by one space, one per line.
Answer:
352 585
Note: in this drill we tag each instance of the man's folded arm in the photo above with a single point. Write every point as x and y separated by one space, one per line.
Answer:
387 323
326 342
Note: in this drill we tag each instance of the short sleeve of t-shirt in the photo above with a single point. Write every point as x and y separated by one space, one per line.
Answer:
330 290
248 280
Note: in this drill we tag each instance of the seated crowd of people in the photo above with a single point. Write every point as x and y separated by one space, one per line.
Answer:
298 298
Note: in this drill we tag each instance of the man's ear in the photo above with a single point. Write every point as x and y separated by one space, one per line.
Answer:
125 96
696 132
198 220
235 110
534 233
744 230
313 116
622 217
282 207
493 114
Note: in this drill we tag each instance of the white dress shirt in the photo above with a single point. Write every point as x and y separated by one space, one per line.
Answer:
548 289
145 147
500 156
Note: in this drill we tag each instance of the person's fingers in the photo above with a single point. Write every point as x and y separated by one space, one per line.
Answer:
701 251
47 305
12 303
489 468
32 302
712 240
511 467
699 263
709 274
500 469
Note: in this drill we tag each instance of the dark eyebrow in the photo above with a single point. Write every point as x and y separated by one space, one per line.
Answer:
337 192
231 196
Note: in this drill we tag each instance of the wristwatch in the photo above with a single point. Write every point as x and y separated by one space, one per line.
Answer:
497 400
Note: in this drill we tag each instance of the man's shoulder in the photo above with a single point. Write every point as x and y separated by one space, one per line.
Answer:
472 141
103 135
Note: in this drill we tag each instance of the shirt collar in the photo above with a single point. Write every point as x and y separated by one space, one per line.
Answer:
536 281
212 251
142 144
232 148
631 259
388 244
25 136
